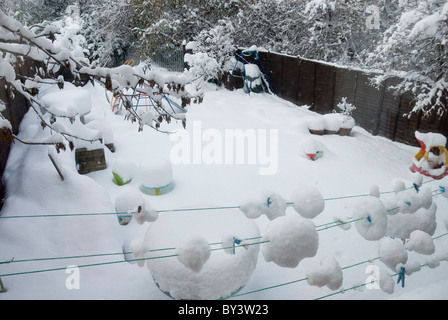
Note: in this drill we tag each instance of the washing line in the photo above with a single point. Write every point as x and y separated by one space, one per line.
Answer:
441 190
111 262
107 254
332 294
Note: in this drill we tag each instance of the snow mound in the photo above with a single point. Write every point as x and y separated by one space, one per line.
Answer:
155 172
311 148
123 171
203 269
290 239
68 102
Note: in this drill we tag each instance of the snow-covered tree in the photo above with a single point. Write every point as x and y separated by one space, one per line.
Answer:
416 49
107 26
213 52
32 12
165 24
61 60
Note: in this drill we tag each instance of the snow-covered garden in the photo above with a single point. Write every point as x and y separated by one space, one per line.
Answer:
335 222
207 193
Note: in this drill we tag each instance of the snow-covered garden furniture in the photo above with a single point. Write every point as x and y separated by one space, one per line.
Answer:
90 160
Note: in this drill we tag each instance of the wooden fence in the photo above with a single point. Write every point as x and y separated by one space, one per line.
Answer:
322 86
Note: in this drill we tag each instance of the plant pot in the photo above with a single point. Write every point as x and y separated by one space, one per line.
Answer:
318 132
345 131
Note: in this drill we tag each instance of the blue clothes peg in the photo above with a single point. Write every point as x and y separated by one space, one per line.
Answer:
416 187
401 276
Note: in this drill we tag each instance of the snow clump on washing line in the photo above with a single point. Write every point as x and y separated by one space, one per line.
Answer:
401 225
329 274
371 218
130 200
392 252
288 240
193 252
308 202
421 242
270 204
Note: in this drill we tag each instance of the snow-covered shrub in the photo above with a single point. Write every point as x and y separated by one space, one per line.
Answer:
347 109
213 52
203 66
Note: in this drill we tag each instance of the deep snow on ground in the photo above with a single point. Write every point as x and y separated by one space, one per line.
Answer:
349 166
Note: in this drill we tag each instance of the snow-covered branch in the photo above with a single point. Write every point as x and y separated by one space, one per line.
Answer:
18 40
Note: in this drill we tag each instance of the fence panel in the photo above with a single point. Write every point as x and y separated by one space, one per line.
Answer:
275 73
290 79
390 107
406 126
324 88
172 60
307 79
345 85
367 103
